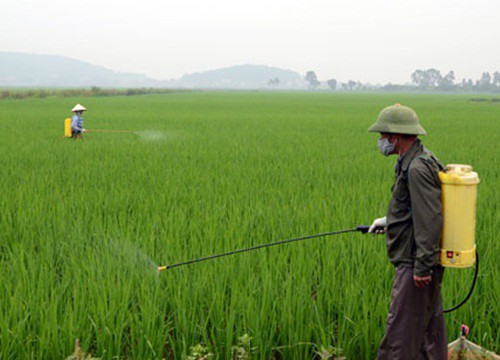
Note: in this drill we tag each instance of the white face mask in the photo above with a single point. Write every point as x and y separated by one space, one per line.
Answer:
385 146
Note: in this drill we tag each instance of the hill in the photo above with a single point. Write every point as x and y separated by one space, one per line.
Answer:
17 69
246 76
33 70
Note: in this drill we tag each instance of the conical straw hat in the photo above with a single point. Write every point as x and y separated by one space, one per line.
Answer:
78 107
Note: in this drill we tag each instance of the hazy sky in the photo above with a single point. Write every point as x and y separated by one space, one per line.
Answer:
375 41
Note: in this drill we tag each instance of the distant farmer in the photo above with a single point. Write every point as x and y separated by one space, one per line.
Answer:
415 327
77 122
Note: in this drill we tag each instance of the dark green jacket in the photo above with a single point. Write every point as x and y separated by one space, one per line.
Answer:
414 217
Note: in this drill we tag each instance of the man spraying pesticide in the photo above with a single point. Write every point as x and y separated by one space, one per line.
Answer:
76 124
415 326
425 196
73 127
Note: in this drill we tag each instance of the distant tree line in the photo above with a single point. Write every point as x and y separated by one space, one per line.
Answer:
21 93
431 79
422 80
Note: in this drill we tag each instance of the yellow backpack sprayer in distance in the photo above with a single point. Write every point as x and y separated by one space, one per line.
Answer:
67 128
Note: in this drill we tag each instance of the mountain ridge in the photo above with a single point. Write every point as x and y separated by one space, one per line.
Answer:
244 76
19 69
40 70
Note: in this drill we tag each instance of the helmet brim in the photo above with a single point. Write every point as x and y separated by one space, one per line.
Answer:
415 129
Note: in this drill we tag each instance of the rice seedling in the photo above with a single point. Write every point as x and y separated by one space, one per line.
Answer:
85 224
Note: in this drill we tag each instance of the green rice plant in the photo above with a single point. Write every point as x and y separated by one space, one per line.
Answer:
84 224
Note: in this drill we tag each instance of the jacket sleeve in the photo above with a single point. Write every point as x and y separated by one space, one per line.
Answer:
427 215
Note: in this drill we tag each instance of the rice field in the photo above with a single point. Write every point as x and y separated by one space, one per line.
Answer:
85 224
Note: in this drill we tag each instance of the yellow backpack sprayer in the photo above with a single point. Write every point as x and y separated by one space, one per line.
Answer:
459 198
459 193
67 128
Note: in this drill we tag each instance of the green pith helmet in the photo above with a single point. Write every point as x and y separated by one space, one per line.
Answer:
398 119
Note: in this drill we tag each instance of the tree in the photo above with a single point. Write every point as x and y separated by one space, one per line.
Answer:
351 85
496 78
484 83
332 84
485 79
434 77
447 81
418 78
429 78
466 84
312 79
273 82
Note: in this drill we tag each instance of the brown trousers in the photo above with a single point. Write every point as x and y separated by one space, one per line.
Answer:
415 326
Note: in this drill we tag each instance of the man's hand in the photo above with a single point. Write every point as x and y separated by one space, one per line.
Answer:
378 226
422 281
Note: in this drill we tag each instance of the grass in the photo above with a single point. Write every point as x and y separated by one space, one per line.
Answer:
84 224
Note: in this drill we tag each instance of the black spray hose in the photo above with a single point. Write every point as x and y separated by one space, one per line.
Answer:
471 288
363 229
